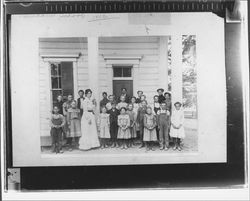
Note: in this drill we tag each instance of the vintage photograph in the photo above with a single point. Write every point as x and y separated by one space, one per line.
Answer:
133 110
114 89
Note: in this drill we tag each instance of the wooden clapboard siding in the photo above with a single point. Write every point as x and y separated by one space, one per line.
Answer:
59 46
147 47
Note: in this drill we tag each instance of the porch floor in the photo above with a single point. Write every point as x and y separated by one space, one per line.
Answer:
189 144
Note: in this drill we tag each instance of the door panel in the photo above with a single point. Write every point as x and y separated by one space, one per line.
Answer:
67 78
119 84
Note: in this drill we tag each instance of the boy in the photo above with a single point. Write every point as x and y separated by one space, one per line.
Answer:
163 121
160 95
59 104
111 100
140 120
168 102
80 100
104 101
113 117
138 99
57 122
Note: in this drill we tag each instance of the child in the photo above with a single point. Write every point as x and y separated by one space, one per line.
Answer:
140 120
123 131
74 125
104 101
80 100
132 128
156 104
109 104
57 122
135 109
149 134
113 117
163 125
160 95
177 129
103 127
122 103
66 106
139 93
59 104
167 96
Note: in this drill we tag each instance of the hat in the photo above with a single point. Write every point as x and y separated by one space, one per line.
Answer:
160 89
139 91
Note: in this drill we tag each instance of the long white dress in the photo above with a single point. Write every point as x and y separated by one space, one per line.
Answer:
89 137
177 118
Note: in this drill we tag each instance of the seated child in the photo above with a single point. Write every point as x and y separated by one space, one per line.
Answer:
74 125
123 131
57 122
103 125
149 134
177 129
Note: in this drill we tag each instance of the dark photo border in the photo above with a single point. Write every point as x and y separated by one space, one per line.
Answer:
140 176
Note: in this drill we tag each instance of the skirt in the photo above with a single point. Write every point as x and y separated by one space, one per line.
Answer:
149 135
74 128
89 137
104 132
124 134
177 133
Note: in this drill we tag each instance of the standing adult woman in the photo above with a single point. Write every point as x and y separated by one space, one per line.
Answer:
89 137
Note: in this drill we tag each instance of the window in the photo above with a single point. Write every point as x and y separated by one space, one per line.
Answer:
56 80
122 71
61 79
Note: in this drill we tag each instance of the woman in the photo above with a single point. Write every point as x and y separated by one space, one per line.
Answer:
89 137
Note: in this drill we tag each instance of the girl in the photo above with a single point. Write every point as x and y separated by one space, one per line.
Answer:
132 128
89 137
113 117
149 129
123 131
57 122
122 103
177 129
140 120
135 109
103 127
74 125
66 106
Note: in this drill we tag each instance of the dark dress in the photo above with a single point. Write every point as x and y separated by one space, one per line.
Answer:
103 103
140 120
138 100
113 117
161 98
59 104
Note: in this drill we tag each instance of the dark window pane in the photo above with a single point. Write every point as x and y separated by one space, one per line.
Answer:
59 70
126 72
117 72
54 83
54 70
59 82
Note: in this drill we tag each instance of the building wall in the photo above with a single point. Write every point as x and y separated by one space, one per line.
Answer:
146 47
59 46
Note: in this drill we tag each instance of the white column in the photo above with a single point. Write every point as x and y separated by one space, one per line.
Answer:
93 68
176 73
163 62
136 78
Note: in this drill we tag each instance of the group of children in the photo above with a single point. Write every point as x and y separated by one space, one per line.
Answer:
123 122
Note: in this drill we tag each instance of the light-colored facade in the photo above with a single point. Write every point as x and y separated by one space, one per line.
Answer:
145 56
